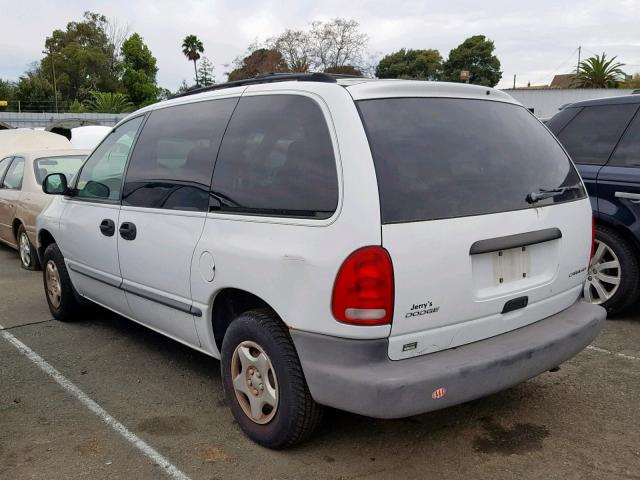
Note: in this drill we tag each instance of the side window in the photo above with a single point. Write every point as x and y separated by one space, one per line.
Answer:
101 176
15 173
561 119
627 153
594 132
172 163
277 158
4 165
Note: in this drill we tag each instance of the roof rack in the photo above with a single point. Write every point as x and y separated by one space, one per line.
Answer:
270 78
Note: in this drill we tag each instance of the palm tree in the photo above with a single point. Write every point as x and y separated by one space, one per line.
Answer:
107 102
599 72
192 47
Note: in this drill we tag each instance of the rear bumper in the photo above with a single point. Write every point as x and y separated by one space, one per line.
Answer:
358 376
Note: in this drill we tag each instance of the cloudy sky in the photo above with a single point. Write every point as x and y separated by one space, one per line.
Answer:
534 39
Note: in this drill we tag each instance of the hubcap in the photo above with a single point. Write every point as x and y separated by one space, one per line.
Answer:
54 289
25 250
254 382
604 275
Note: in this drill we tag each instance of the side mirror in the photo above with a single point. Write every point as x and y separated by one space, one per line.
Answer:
55 184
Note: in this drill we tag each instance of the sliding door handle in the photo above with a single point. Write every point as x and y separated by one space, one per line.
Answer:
128 231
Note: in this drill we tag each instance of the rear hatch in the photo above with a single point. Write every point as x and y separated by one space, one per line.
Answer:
484 216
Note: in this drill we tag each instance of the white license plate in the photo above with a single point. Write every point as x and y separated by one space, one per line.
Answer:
511 265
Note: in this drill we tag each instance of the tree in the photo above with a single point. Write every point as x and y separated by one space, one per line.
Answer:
83 58
345 70
139 71
259 62
336 43
34 91
295 47
411 64
192 47
107 102
205 72
599 72
7 89
475 55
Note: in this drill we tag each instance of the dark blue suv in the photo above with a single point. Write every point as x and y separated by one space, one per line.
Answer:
603 138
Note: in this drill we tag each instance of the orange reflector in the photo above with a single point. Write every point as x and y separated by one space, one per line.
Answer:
439 393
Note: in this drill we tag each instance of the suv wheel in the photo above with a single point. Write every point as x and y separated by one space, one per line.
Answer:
264 382
28 255
64 302
612 280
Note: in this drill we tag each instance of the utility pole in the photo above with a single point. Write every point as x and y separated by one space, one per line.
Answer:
53 69
514 81
578 67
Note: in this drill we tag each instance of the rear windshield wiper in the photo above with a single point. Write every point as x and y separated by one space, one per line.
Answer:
541 194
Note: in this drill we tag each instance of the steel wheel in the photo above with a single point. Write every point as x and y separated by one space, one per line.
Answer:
254 382
604 275
54 288
25 249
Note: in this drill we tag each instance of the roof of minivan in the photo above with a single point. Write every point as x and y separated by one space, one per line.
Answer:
621 100
360 88
392 88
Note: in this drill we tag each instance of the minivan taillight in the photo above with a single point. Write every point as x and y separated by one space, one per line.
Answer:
363 290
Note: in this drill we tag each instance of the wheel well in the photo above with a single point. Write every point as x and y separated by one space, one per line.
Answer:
44 240
15 227
634 243
228 305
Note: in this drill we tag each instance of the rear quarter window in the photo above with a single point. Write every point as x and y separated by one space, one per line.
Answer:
440 158
277 159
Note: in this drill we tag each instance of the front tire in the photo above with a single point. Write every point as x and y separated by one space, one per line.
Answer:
28 254
62 298
613 280
264 382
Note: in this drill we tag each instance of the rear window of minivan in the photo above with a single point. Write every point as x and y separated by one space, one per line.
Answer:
439 158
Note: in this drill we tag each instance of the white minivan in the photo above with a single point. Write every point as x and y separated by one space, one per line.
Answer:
384 247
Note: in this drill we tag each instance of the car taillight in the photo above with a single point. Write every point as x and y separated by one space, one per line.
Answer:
363 290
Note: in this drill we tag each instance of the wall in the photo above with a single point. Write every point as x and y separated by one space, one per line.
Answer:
44 120
547 101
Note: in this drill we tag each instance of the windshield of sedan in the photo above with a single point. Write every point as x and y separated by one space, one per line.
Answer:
68 164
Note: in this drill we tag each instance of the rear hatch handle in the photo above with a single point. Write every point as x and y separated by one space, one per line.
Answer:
514 241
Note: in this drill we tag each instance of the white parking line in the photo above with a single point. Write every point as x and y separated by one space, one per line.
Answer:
131 437
619 355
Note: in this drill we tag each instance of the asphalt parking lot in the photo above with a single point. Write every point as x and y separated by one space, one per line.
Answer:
582 422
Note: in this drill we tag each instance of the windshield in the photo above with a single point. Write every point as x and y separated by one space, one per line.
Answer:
443 157
69 165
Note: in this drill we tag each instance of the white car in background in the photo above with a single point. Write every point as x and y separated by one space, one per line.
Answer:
88 137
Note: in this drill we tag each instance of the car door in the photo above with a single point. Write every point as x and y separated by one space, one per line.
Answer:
10 191
619 180
4 218
87 236
164 205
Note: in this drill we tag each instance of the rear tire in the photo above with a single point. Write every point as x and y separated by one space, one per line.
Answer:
269 364
62 298
28 254
615 260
